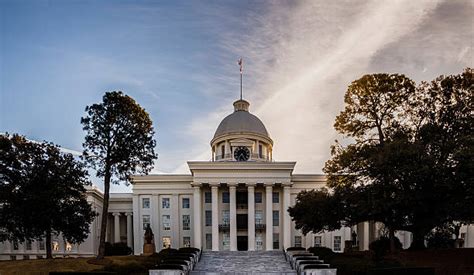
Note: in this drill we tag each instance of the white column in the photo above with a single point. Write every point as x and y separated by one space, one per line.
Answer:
469 236
366 236
116 227
286 217
269 217
233 217
251 216
129 230
138 234
215 217
197 216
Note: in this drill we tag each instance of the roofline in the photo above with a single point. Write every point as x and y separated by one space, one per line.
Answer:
245 165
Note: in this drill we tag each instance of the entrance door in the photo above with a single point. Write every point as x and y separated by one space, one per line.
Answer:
242 243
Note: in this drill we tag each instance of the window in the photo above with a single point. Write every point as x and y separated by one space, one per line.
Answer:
276 197
225 197
26 257
208 218
41 244
258 217
276 218
225 216
146 203
187 241
165 203
55 245
15 245
337 243
222 151
166 242
260 151
207 197
297 241
68 246
258 197
145 221
317 241
259 242
185 202
226 241
39 256
186 222
276 241
166 222
28 245
208 241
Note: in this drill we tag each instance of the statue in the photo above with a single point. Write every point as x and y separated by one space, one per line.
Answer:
149 243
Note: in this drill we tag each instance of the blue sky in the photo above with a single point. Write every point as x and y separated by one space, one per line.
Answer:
178 60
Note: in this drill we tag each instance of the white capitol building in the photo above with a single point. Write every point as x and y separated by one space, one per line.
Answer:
236 201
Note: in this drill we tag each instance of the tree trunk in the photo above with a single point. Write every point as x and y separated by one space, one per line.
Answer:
391 235
418 242
105 209
49 254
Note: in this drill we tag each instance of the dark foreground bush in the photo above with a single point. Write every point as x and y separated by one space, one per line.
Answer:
128 269
402 270
117 249
323 252
81 273
440 238
188 250
381 246
295 248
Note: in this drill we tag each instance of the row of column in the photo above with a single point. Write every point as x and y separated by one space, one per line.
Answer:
233 216
117 227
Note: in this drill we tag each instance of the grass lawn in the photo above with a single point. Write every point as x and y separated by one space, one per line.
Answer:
44 266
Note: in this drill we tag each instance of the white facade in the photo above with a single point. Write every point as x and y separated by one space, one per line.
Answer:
235 201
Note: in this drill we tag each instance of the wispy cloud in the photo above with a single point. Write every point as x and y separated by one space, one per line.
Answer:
300 58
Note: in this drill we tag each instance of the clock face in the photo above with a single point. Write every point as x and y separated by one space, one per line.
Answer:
241 154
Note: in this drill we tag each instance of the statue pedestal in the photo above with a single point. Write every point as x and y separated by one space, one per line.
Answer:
148 249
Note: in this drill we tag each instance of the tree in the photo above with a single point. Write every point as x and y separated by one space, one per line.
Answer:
412 153
43 193
374 110
316 210
118 143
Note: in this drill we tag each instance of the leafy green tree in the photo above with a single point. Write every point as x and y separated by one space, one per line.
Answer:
43 193
118 143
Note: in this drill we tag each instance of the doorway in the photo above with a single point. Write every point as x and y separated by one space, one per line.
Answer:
242 243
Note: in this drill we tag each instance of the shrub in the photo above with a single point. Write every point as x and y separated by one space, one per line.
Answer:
127 269
295 248
322 252
381 246
117 249
188 250
440 238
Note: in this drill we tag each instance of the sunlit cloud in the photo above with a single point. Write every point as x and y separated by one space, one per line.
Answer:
301 58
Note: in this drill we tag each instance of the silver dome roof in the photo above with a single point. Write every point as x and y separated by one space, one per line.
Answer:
241 121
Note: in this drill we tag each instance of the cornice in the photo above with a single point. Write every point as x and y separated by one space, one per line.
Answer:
235 165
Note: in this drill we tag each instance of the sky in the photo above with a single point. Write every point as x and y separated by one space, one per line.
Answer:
178 60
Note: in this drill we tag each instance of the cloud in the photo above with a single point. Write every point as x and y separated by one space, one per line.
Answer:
300 59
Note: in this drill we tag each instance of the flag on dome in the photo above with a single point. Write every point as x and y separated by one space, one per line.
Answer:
240 64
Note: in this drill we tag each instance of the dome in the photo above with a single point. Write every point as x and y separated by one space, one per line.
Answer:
241 121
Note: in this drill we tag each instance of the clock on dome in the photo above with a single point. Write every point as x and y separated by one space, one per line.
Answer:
241 153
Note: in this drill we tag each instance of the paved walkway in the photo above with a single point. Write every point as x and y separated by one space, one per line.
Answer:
243 262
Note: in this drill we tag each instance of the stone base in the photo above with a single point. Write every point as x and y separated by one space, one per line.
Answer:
148 249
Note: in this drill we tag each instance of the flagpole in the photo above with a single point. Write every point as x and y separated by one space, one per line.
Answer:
240 85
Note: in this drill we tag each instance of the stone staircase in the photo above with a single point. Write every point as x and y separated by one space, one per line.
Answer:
242 262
